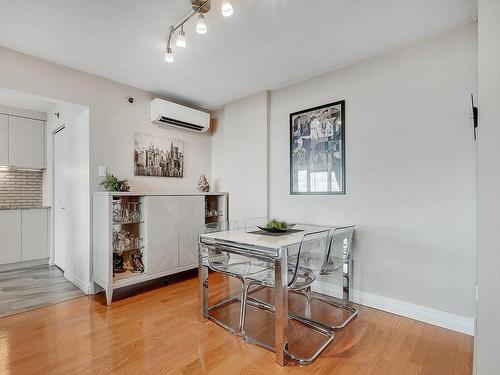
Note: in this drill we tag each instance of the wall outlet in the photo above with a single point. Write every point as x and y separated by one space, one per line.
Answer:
102 171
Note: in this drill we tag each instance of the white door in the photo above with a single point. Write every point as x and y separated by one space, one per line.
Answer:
60 199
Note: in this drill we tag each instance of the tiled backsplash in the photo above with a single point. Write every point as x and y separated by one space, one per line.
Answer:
20 189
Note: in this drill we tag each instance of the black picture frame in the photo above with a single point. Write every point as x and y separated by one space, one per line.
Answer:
336 140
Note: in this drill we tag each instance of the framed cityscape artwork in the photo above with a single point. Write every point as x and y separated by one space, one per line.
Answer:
317 150
157 156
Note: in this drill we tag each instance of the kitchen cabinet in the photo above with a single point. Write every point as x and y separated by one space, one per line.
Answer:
26 143
4 140
10 236
34 234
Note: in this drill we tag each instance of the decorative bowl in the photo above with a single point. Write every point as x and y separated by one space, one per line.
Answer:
276 230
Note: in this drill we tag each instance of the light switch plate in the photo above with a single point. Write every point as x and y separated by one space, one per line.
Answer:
102 171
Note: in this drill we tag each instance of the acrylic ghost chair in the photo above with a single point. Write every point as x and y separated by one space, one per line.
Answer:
303 269
231 263
338 259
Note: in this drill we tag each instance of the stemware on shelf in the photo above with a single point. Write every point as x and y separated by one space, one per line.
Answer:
126 241
128 213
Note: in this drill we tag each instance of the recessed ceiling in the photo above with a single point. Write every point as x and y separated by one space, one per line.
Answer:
265 44
17 99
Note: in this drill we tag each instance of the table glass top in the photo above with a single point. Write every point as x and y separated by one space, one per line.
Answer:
245 237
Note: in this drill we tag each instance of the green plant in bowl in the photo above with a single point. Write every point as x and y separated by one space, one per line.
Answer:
276 226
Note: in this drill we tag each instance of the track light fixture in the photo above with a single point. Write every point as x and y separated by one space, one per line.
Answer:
181 38
169 56
201 25
200 7
226 8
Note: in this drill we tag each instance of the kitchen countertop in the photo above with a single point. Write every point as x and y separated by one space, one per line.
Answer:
23 208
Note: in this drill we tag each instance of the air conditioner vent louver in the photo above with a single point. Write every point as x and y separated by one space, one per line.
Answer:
171 121
178 116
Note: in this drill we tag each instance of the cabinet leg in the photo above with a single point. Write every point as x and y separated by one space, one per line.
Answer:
109 294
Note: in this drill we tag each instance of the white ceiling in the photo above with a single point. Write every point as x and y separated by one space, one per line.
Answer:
266 44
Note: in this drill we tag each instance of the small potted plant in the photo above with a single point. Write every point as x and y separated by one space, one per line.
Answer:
112 183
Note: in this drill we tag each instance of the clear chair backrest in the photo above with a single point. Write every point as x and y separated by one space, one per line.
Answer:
339 249
308 263
252 222
212 255
220 226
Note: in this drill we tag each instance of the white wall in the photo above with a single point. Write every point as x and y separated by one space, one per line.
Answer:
488 331
410 163
112 119
240 155
112 122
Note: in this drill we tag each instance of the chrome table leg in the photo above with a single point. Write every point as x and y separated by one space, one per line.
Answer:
281 306
203 286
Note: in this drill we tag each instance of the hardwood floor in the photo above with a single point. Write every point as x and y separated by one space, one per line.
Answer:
155 330
28 288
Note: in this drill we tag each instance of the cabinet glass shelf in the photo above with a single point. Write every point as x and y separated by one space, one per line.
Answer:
127 222
133 249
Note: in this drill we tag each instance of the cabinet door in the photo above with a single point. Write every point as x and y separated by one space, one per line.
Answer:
191 221
26 143
35 234
10 236
162 214
4 140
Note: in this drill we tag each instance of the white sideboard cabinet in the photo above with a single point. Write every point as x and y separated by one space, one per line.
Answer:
142 236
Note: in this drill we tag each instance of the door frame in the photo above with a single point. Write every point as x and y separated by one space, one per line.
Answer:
53 194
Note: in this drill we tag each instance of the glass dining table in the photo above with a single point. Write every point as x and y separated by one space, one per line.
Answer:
258 244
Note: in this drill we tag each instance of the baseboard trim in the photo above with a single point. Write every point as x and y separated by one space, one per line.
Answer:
85 287
424 314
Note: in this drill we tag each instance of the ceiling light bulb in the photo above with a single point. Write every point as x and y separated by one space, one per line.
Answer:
201 25
169 56
226 8
181 39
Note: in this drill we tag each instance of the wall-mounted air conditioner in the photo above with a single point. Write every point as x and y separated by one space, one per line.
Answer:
168 113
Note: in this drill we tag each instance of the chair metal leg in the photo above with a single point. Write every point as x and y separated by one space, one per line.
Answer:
307 318
329 335
333 302
243 306
239 331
